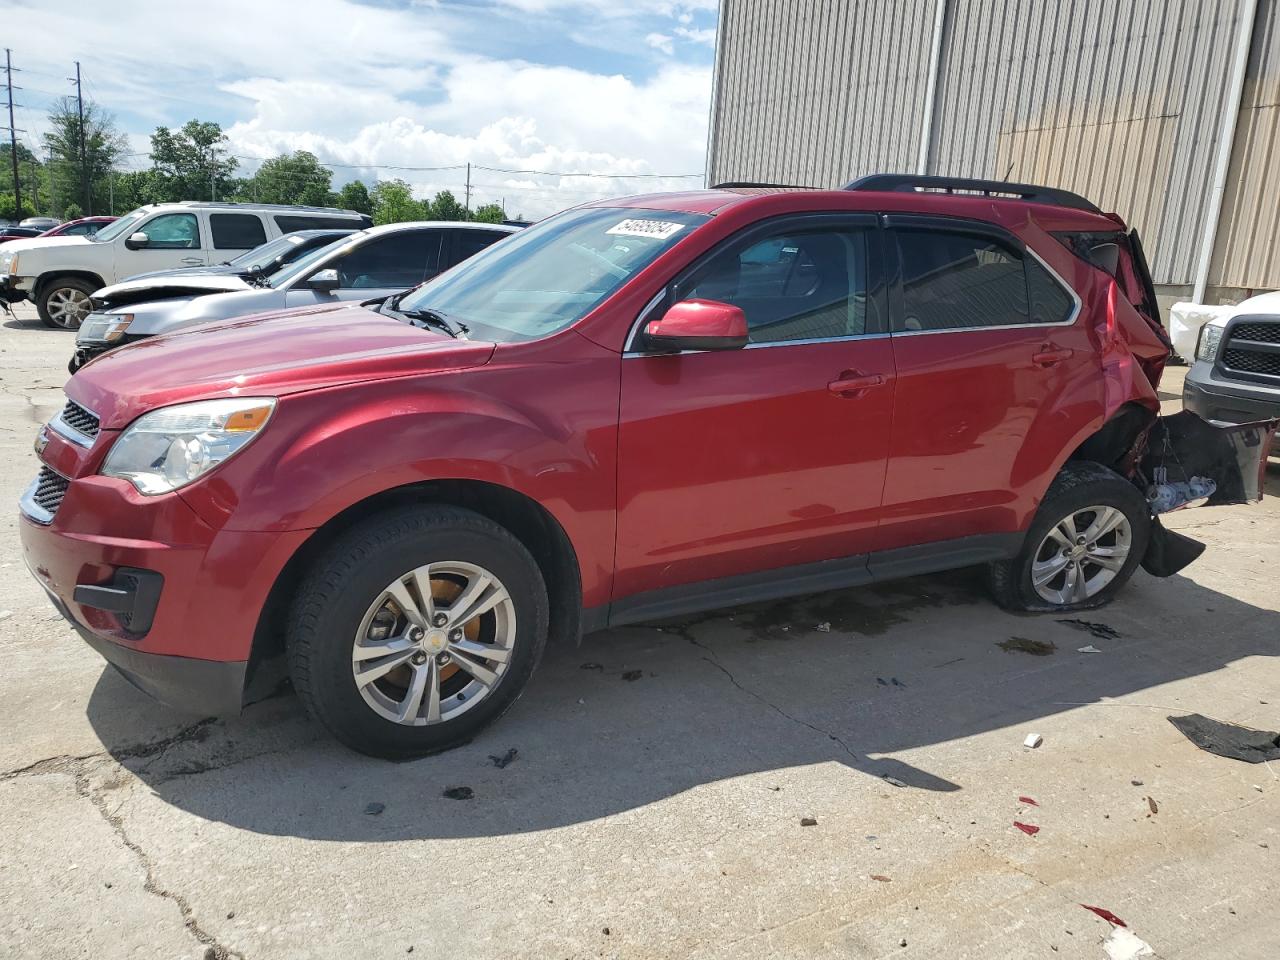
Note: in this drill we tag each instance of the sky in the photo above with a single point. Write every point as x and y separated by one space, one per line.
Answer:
618 87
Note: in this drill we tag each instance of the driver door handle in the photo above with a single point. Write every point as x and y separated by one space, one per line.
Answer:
192 261
854 383
1050 354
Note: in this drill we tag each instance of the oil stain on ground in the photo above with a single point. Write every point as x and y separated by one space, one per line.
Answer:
1037 648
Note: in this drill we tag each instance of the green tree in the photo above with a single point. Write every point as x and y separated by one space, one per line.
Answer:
489 213
193 161
133 188
354 196
445 207
72 211
28 180
103 146
393 203
292 178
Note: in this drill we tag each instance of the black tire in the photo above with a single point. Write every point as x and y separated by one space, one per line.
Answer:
1080 485
50 287
345 580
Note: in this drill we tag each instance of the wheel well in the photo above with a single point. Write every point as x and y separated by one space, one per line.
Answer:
1117 443
44 279
526 519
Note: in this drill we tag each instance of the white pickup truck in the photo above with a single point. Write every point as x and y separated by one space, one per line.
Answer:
59 274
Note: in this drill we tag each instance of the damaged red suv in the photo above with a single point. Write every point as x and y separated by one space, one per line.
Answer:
635 409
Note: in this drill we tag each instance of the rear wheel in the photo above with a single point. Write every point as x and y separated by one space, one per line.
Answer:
416 629
64 302
1088 538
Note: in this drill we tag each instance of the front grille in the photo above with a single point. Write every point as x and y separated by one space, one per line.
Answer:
1252 361
50 489
1257 332
80 420
1253 348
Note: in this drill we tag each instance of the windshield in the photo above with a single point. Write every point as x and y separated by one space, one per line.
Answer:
121 226
262 255
304 264
553 274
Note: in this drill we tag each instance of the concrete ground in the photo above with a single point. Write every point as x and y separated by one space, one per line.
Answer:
662 817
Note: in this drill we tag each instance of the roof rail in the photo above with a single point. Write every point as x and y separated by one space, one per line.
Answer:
910 183
732 184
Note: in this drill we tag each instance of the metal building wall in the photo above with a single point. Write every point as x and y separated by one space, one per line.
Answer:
1120 100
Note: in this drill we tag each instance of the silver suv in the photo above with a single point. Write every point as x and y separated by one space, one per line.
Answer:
370 264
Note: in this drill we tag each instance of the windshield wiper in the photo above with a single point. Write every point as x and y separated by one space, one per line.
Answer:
438 321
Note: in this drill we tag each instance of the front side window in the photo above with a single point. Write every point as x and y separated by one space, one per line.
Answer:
173 231
236 231
397 261
551 275
956 280
802 284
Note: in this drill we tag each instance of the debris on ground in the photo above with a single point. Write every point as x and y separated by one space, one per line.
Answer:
1105 914
1037 648
1033 740
1089 649
891 682
893 781
632 674
1099 630
1136 783
458 793
591 665
6 614
1030 829
808 822
375 808
1028 801
824 627
1152 805
902 942
1228 739
505 759
1123 944
881 878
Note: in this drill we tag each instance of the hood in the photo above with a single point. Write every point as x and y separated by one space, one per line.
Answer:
176 284
270 354
44 243
220 270
1266 303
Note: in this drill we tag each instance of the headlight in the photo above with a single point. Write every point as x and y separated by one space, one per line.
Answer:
8 263
170 447
1207 345
103 327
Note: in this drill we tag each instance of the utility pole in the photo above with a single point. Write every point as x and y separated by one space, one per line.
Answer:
13 136
468 203
84 153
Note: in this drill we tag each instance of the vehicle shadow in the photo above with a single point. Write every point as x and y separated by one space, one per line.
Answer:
870 678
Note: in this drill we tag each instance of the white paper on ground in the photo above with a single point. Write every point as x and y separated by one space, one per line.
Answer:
1123 944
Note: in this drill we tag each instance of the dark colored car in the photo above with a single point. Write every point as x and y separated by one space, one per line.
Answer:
268 258
18 233
632 410
84 227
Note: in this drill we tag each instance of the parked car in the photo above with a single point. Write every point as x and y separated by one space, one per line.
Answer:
371 264
635 409
84 227
1235 377
17 233
268 258
40 223
59 274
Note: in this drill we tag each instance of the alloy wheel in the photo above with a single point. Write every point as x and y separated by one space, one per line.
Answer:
68 307
434 643
1081 554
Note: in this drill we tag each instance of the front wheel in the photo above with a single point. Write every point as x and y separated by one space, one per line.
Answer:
1088 538
417 629
65 302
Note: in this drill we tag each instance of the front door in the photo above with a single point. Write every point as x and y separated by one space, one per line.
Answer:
772 456
174 240
379 267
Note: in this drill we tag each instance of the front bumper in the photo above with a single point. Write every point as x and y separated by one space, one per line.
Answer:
10 292
1227 401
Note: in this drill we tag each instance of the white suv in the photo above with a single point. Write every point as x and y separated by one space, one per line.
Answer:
59 274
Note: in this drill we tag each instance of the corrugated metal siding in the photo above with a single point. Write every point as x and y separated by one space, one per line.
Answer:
809 92
1119 100
1248 249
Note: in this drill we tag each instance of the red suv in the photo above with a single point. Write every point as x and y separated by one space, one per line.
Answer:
635 409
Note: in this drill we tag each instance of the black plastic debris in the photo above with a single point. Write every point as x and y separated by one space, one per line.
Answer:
633 675
375 808
1228 739
458 793
1099 630
1037 648
505 759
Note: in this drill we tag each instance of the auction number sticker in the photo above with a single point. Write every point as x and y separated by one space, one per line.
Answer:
656 229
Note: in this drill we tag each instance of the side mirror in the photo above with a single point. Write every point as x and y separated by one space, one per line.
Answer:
325 281
699 325
137 241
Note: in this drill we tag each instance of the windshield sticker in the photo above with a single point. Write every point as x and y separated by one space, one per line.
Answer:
656 229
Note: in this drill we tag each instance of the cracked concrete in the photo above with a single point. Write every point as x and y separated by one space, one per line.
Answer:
668 809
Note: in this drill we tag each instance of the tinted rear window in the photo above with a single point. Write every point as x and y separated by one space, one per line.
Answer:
291 222
236 231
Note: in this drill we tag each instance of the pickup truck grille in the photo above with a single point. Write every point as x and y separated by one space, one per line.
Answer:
50 489
1253 348
81 420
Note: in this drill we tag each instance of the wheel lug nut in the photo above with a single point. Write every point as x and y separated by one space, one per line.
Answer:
416 633
419 658
439 620
455 635
442 659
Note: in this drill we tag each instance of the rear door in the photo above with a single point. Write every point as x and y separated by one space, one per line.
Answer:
996 375
773 456
231 234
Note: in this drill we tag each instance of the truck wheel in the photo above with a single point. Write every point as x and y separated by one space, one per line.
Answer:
1088 537
64 302
415 630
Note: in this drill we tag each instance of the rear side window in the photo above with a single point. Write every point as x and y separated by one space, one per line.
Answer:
236 231
1050 303
793 285
467 243
397 261
288 223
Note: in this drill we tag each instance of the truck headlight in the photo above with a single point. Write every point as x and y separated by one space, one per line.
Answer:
170 447
1207 345
8 264
103 327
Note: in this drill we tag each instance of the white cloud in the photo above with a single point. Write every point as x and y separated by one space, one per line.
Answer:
704 36
660 41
